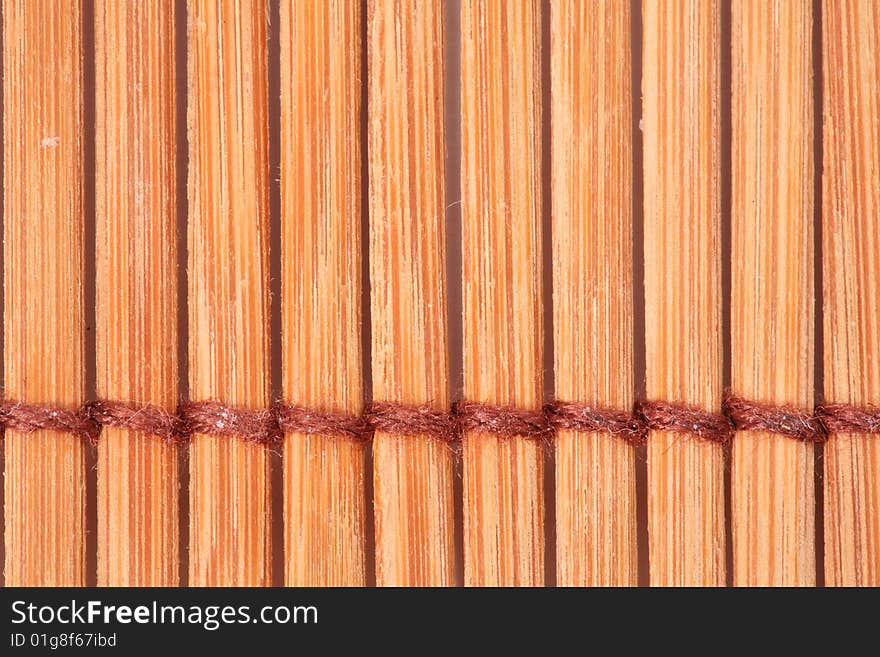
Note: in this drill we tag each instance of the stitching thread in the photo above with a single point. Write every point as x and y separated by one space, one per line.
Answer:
269 425
406 420
143 418
685 419
312 422
797 423
214 418
28 418
566 416
502 421
843 418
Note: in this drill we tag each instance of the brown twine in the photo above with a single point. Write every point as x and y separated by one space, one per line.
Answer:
406 420
681 418
312 422
843 418
502 421
748 415
214 418
28 418
266 425
569 416
142 418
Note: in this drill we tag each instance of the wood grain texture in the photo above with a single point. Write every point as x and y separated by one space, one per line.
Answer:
413 476
501 256
136 279
44 336
851 278
321 287
681 132
230 487
592 286
772 496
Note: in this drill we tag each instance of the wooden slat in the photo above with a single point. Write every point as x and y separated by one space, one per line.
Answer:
44 331
230 487
851 275
681 132
321 287
592 286
136 279
413 475
772 497
501 249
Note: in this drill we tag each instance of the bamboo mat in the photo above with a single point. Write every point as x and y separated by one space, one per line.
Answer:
441 293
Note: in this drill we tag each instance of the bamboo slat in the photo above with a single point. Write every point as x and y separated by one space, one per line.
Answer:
772 497
413 475
136 279
230 487
501 249
681 132
592 286
43 266
851 277
321 287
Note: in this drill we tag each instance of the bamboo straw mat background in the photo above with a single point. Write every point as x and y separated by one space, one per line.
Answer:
475 292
